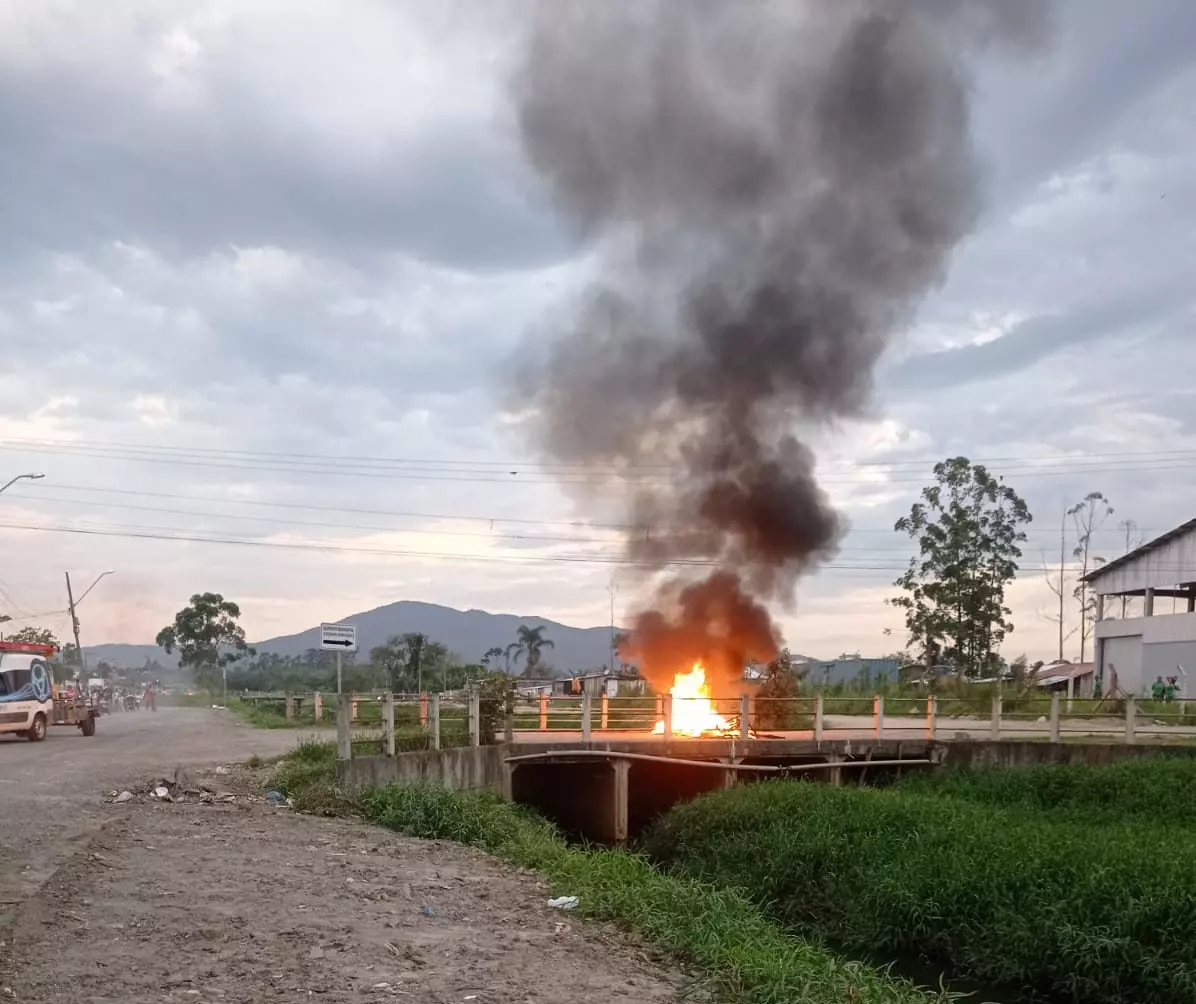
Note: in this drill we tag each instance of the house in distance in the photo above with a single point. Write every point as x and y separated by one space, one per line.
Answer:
1133 651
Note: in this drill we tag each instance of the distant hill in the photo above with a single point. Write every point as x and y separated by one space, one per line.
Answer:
468 633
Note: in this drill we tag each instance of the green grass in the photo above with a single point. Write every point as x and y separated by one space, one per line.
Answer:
1081 913
1149 790
733 952
739 954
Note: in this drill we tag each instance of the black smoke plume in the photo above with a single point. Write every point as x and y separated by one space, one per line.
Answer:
772 188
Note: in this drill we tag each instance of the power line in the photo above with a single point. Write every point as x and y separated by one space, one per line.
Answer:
186 536
41 493
584 467
1030 467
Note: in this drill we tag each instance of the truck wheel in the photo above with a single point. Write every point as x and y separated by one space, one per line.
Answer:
88 726
37 731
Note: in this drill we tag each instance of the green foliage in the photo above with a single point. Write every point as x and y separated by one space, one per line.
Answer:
30 635
1081 913
968 527
308 775
208 638
530 644
776 704
496 693
741 956
1146 791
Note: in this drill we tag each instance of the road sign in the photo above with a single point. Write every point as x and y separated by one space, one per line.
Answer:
338 637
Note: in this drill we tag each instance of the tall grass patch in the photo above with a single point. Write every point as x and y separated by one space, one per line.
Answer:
1094 914
1160 790
739 954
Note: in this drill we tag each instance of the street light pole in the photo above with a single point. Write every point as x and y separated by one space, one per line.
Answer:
73 605
20 477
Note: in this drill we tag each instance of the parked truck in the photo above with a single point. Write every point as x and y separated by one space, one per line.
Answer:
30 701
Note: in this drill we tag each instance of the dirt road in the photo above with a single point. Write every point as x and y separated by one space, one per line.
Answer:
245 902
52 793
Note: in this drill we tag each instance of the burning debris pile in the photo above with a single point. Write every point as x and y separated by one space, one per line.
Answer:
771 188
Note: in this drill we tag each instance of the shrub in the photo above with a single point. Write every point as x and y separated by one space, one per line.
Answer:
1158 790
742 956
1099 915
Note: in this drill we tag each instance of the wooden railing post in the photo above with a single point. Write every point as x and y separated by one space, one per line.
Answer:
475 718
1055 702
1130 713
317 705
667 716
745 717
931 717
995 728
604 722
587 711
434 722
819 717
878 715
543 712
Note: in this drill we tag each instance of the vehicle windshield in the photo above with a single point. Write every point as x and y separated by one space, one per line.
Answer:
14 680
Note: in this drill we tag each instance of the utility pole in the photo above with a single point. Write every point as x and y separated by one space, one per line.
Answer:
70 597
613 653
1062 562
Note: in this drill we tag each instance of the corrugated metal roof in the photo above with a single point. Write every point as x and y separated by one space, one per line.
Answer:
1058 672
1146 548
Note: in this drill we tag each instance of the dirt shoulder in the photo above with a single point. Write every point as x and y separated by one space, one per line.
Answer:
248 902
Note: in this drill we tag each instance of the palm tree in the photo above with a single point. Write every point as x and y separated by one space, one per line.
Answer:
511 650
531 643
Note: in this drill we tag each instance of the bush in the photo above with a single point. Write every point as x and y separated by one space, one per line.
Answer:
1099 915
743 957
1155 790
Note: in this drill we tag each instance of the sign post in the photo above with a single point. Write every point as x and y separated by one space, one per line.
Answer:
338 638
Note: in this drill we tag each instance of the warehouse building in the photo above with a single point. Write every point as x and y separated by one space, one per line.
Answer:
1132 652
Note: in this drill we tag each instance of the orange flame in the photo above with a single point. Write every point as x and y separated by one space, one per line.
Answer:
693 711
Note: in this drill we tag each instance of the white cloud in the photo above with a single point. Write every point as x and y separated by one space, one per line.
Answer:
304 233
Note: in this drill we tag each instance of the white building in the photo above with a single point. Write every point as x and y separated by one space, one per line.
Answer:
1132 652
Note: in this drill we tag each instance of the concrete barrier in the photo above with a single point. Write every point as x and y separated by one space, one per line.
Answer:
464 768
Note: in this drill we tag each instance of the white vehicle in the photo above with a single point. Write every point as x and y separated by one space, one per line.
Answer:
26 690
29 702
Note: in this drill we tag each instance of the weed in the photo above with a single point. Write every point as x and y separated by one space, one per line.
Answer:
1154 790
742 955
1098 914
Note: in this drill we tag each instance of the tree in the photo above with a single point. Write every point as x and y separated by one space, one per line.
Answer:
530 642
968 527
30 635
776 705
208 638
1134 538
414 643
1057 583
392 659
1088 515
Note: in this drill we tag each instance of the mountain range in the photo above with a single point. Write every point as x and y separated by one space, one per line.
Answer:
467 633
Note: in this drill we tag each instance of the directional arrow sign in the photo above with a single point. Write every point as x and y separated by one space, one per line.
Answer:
338 637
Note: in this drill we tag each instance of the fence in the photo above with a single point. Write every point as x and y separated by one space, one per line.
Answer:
432 721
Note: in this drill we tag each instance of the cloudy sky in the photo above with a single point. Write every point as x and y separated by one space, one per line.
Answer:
262 264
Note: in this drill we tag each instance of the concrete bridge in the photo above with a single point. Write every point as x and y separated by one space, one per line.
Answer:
608 790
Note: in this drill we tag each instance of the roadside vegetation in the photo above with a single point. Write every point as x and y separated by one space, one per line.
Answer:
1133 791
1019 897
732 949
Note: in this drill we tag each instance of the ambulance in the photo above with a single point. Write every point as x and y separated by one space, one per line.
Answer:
30 701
